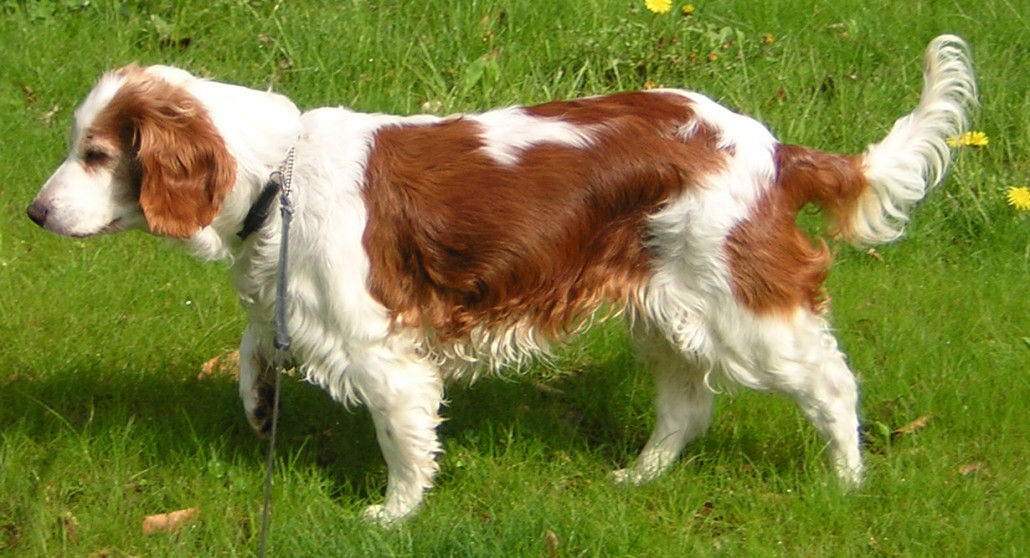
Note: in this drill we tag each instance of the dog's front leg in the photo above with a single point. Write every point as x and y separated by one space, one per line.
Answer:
257 386
404 397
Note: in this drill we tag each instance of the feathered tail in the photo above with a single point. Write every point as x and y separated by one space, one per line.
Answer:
914 156
867 198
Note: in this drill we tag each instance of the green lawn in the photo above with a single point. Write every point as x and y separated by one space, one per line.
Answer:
103 420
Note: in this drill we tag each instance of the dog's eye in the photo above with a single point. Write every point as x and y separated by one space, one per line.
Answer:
95 156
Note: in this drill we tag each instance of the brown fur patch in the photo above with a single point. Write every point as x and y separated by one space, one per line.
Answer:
179 165
774 265
458 241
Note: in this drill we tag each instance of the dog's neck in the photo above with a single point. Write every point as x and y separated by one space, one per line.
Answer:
258 128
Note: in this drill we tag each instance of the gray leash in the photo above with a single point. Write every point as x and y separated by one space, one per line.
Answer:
282 340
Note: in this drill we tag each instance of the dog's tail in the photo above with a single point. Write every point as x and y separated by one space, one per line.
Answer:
868 197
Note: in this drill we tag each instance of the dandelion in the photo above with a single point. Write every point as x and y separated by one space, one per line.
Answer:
649 84
974 139
1019 198
768 38
658 6
688 9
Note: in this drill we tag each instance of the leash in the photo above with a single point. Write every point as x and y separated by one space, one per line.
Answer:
282 339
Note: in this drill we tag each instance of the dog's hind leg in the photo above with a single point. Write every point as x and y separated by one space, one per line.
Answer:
827 394
683 406
798 355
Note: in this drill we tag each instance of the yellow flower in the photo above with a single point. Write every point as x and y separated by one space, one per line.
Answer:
688 9
768 38
658 6
1019 198
975 139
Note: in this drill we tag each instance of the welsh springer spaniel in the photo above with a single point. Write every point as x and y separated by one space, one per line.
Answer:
425 249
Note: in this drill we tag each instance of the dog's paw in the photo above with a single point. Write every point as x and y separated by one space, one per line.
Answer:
378 515
261 416
625 477
850 477
630 477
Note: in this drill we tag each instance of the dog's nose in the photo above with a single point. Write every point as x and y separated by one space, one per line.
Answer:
38 212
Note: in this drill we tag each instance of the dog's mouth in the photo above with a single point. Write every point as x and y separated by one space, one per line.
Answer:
115 226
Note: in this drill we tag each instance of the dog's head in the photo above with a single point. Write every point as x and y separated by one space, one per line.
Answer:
143 153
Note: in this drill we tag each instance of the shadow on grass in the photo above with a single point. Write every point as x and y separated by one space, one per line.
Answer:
182 416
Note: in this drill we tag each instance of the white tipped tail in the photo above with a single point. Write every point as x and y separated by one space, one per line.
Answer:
914 156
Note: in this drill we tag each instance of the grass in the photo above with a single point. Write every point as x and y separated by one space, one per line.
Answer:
103 420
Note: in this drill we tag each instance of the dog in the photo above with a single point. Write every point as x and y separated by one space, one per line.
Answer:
425 249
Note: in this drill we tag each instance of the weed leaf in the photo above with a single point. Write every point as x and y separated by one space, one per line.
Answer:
169 522
912 427
975 468
552 544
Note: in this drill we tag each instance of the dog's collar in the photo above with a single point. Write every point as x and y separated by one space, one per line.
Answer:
258 213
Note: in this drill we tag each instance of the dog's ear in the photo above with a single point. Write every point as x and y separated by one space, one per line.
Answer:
183 168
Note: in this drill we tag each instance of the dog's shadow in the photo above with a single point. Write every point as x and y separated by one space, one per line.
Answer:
185 415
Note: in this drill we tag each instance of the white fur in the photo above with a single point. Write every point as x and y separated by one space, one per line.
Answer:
508 132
